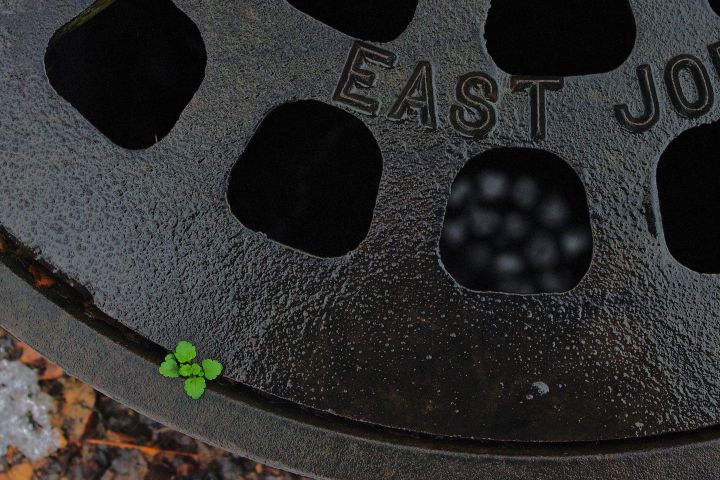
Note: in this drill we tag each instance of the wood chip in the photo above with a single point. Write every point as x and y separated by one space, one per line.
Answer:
77 409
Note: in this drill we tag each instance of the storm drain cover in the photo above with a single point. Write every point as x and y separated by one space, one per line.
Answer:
475 226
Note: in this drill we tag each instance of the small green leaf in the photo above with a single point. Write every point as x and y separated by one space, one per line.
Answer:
169 368
170 356
185 351
197 370
186 370
195 387
212 368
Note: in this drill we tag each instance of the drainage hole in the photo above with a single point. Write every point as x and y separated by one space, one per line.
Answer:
130 67
371 20
308 179
517 222
688 182
559 37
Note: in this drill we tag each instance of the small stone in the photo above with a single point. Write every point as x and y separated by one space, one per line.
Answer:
520 286
453 234
516 225
26 413
541 388
525 193
478 256
542 252
554 212
509 264
460 193
484 222
493 186
556 282
575 242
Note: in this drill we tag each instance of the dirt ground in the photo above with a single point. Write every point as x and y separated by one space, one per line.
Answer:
102 439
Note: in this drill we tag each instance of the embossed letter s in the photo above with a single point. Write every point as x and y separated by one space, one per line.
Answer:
356 76
475 116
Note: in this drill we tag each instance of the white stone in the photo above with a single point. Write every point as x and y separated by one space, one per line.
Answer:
20 401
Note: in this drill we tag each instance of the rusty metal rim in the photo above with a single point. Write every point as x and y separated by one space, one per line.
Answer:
323 447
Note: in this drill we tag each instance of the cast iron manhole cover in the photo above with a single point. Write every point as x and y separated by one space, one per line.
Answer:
468 239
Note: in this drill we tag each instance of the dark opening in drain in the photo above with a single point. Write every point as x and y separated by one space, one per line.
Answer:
372 20
688 181
517 222
129 66
559 37
308 179
715 4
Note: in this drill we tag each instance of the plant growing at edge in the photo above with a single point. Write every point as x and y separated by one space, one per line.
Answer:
178 364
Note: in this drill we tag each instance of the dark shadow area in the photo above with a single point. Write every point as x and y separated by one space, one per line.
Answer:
517 221
308 179
372 20
715 4
559 37
129 67
688 181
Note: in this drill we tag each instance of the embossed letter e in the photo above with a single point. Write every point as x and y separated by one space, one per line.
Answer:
357 77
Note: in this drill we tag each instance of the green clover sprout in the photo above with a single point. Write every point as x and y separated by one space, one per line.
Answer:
177 365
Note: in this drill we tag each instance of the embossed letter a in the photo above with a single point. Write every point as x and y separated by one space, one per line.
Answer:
418 96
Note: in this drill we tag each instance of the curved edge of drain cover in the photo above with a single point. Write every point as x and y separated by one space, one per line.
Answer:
319 447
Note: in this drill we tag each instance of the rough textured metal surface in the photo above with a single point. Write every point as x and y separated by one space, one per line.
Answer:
326 448
383 334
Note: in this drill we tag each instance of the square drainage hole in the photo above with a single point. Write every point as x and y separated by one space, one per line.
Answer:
517 221
308 179
559 37
130 67
371 20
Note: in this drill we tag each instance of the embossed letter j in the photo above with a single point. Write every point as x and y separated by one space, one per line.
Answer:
650 101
